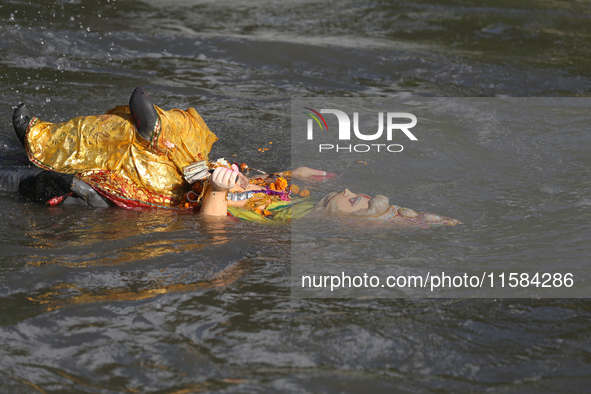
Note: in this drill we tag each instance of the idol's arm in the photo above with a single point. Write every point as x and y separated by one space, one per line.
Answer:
215 202
303 173
307 172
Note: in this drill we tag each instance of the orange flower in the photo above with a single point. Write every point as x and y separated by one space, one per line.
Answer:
259 211
294 189
280 184
272 186
258 181
267 213
305 193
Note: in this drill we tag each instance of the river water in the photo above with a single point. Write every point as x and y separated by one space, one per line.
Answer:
110 301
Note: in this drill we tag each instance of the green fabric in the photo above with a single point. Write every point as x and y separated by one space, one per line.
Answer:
282 211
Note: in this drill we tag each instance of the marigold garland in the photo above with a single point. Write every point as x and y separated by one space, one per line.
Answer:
280 184
260 200
277 185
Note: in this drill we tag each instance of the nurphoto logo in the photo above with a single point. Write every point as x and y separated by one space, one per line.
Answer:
344 131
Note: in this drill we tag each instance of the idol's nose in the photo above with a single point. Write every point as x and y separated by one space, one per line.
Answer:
347 192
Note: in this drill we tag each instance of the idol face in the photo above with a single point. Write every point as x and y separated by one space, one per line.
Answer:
348 202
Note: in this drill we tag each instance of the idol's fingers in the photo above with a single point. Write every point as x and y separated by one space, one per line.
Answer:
223 178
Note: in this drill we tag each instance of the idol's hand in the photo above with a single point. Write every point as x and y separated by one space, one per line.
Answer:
224 178
306 172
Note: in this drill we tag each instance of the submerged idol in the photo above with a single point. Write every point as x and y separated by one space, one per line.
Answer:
137 156
132 156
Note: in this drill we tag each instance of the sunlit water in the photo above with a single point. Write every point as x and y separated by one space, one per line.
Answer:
107 300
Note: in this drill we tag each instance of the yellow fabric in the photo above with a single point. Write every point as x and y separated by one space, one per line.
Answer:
110 142
282 211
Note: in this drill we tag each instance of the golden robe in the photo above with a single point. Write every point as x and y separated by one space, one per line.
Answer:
107 152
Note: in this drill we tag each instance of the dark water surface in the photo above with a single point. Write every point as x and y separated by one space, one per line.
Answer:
112 301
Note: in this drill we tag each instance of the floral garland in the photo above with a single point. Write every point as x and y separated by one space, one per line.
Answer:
275 188
260 201
279 182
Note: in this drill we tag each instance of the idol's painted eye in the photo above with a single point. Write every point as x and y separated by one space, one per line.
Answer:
352 200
